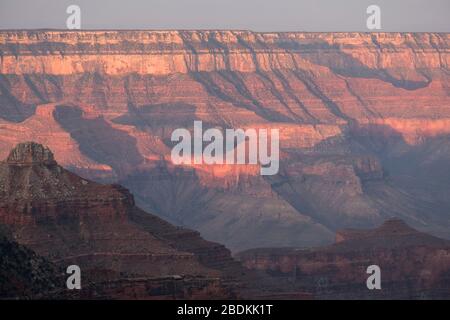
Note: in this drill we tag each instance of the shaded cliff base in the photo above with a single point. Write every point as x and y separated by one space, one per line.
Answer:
413 265
53 219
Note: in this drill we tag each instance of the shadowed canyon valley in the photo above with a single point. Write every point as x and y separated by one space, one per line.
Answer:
364 122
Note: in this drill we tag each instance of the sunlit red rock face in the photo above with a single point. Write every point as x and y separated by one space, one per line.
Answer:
413 265
364 121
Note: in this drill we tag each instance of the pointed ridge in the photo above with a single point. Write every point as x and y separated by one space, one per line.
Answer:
30 153
390 227
395 226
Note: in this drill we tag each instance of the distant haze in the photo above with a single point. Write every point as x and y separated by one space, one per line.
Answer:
257 15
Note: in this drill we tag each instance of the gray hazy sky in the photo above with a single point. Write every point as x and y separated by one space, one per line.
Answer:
257 15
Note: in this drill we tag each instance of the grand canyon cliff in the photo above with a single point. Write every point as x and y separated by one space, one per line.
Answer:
51 218
413 265
364 121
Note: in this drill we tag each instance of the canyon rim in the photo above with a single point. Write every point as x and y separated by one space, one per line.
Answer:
364 137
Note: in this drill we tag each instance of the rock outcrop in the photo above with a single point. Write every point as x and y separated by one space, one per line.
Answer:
122 251
23 274
413 265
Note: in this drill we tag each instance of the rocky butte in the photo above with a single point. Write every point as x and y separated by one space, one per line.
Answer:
364 123
54 219
413 265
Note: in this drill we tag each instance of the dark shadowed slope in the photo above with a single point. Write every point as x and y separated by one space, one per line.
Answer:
414 265
121 250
